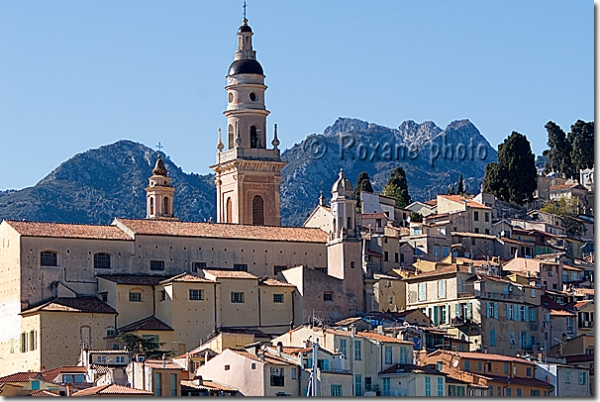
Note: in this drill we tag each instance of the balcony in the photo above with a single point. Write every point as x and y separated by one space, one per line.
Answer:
459 321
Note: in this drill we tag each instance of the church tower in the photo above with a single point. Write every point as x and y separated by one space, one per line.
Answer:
248 174
159 194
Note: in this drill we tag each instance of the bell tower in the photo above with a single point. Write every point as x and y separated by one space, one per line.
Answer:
248 174
159 194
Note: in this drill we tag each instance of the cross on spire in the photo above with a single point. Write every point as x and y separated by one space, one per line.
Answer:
244 10
159 146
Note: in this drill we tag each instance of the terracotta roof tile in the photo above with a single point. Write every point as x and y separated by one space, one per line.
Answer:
270 281
229 273
520 380
559 313
134 279
185 277
158 364
74 305
224 231
68 230
462 200
270 359
208 385
51 374
382 338
491 357
376 215
147 324
43 393
22 376
112 389
404 368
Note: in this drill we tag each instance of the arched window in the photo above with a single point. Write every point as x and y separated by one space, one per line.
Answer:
230 137
102 260
151 205
229 211
48 259
253 137
258 210
166 206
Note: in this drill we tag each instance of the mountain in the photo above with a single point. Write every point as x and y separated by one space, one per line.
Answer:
101 184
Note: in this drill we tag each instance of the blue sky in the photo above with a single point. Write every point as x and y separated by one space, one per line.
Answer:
76 75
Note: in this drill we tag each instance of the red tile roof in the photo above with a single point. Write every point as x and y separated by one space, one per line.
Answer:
23 376
376 215
269 281
491 357
462 200
270 359
68 230
534 382
409 368
50 375
208 385
112 389
229 273
185 277
562 313
158 364
382 338
223 231
134 279
43 393
74 305
147 324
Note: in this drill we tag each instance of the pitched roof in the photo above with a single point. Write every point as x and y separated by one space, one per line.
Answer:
85 304
68 230
269 358
43 393
563 313
374 216
404 368
382 338
147 324
229 273
580 304
22 376
270 281
185 277
520 380
207 385
112 389
158 364
134 279
462 200
490 356
51 374
223 230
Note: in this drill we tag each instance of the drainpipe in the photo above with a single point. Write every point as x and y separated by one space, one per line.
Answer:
215 306
259 315
293 310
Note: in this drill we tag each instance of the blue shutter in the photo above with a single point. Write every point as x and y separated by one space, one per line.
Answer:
495 310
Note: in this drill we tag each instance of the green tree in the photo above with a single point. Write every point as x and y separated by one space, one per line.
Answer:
363 183
135 344
514 177
581 138
559 154
397 187
416 217
451 190
461 186
568 209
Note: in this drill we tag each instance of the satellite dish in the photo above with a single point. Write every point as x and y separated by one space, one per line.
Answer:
455 362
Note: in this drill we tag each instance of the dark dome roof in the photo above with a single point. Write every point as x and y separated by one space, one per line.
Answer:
245 66
245 28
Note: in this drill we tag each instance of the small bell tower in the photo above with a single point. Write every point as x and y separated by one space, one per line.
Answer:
159 194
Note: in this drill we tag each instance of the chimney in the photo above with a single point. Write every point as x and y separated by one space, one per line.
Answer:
164 360
69 392
380 329
279 349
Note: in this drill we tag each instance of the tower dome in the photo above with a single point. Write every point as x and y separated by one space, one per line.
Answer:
343 187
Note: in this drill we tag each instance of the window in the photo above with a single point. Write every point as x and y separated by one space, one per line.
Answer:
519 392
487 216
102 261
166 206
535 392
388 355
258 207
196 294
532 292
568 376
478 366
357 350
173 384
528 371
446 251
24 342
467 365
157 265
427 386
111 333
582 378
32 340
396 257
440 382
436 251
402 355
104 296
367 383
278 268
492 338
35 385
476 231
197 266
73 378
157 384
48 259
385 256
491 390
506 368
163 295
509 312
499 390
357 385
277 378
343 347
101 359
476 216
240 267
336 390
237 297
253 133
294 373
327 296
386 387
227 367
135 296
422 291
508 392
278 298
120 359
490 309
442 289
444 316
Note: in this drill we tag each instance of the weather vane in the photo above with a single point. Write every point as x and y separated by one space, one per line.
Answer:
244 10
